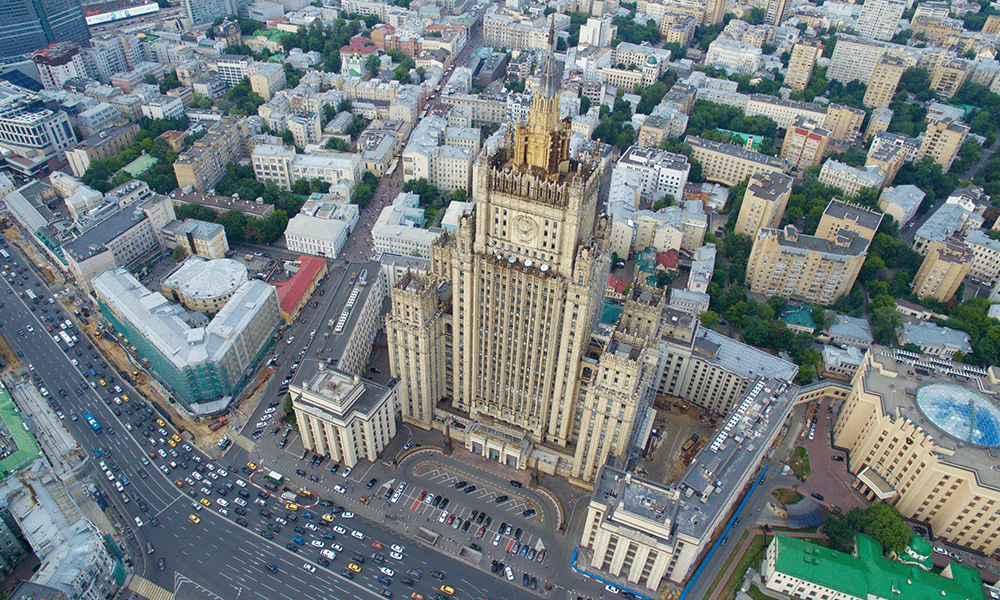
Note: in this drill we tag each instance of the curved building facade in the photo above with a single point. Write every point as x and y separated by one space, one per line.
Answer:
923 433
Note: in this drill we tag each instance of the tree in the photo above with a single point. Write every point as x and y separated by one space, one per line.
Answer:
301 187
372 64
459 195
338 144
287 137
881 521
709 318
885 321
584 104
179 253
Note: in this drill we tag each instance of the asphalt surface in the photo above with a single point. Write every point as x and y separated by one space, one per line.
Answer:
217 553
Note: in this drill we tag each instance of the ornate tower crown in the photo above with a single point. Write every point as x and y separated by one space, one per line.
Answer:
543 142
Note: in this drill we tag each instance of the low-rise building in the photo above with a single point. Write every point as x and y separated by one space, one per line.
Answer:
165 107
342 416
733 56
985 256
943 342
197 237
204 285
851 331
305 273
321 227
223 204
849 178
951 220
284 167
901 202
399 229
101 146
664 174
841 363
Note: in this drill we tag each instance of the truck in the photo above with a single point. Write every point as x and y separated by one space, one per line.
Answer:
66 338
89 418
218 424
30 294
690 443
289 497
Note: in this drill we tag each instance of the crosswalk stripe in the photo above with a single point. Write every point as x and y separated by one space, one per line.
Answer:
148 589
243 442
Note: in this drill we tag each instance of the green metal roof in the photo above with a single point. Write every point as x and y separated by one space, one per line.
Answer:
867 575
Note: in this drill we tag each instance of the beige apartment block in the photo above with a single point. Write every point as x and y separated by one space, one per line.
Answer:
849 178
948 77
843 122
840 215
942 141
802 62
943 270
805 143
910 441
342 416
678 28
885 79
889 159
764 202
202 165
501 325
881 117
805 268
729 164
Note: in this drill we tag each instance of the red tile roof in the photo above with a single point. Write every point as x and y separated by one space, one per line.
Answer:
668 259
292 292
618 285
359 44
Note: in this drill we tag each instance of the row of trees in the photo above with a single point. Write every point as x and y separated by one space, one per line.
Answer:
881 521
239 227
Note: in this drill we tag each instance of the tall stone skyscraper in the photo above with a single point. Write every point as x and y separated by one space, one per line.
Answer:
501 329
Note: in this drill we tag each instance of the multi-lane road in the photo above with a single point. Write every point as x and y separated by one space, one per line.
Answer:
223 556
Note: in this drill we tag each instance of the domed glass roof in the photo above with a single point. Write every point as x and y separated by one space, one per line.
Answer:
960 412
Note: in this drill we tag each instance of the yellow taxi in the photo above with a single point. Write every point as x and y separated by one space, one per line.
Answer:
161 423
252 466
172 443
124 397
417 596
448 589
328 518
205 502
194 519
179 483
102 382
351 566
176 438
292 506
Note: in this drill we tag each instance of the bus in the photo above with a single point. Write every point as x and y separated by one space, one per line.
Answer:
4 254
275 476
66 338
30 294
89 418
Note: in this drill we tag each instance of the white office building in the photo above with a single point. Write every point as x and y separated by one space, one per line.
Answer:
400 228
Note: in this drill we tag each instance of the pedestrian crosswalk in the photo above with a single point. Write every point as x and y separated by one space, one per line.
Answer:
243 441
148 589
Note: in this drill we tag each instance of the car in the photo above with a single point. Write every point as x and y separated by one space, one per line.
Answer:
397 548
395 556
339 489
525 580
347 515
479 520
371 483
502 499
340 530
940 550
205 502
377 545
385 593
612 589
469 489
378 557
531 554
534 583
317 543
429 499
447 589
444 503
509 573
439 575
387 571
461 484
529 513
524 550
272 568
817 496
496 540
347 573
838 458
309 567
516 483
357 535
194 519
354 568
163 564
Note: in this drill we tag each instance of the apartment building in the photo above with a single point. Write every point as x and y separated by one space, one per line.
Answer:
881 118
839 216
663 173
854 58
58 63
942 141
948 77
804 144
266 79
597 31
733 56
205 162
442 154
805 268
851 179
306 128
166 107
783 112
505 28
199 238
341 415
233 68
883 83
843 122
802 62
321 227
986 256
101 146
880 18
97 118
678 28
729 164
921 451
764 203
943 270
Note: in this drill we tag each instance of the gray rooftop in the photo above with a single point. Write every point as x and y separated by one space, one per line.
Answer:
864 217
200 278
342 393
770 186
736 357
852 327
929 334
848 243
904 196
94 240
737 151
202 230
945 221
167 326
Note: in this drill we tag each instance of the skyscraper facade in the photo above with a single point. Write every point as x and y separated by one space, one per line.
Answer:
880 18
28 25
501 328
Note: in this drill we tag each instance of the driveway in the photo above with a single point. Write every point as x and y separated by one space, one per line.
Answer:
829 478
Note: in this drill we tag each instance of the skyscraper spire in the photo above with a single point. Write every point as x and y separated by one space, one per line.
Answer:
549 86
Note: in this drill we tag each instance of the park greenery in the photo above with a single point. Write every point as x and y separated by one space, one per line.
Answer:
104 175
880 521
